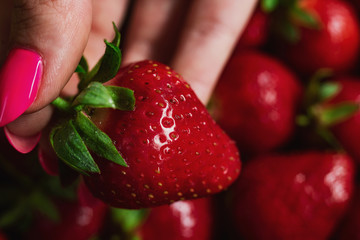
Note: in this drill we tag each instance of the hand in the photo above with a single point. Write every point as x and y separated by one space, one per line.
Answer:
47 38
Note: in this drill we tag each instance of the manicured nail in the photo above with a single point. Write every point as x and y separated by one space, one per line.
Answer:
22 144
19 82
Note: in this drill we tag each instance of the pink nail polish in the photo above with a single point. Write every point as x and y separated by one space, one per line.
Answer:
22 144
19 82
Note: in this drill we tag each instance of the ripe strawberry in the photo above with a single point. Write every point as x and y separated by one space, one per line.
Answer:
2 236
298 196
349 227
334 43
173 149
346 131
183 220
256 31
79 220
255 101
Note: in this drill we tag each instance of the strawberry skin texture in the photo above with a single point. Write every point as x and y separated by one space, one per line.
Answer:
255 101
350 225
335 45
172 146
299 196
184 220
347 131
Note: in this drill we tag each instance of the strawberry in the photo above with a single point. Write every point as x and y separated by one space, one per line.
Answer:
349 227
189 219
79 219
255 101
331 40
293 196
256 31
2 236
183 220
346 131
159 142
143 138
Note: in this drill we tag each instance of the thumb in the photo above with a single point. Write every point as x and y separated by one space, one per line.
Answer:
47 40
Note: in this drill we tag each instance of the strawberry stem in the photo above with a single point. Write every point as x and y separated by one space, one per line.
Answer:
62 104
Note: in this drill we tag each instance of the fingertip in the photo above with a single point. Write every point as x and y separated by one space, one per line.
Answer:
20 78
22 144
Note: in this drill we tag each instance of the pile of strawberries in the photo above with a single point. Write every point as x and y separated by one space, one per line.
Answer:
290 96
135 155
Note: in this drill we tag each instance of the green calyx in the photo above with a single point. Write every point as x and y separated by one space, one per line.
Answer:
288 17
319 113
73 139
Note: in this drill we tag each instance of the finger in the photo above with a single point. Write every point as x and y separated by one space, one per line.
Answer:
47 41
24 138
104 13
5 19
153 30
209 36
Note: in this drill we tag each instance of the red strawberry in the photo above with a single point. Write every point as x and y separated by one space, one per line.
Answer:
350 225
256 31
183 220
79 220
2 236
334 45
255 101
298 196
174 150
347 131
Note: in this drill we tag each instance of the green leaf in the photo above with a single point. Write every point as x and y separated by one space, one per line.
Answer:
302 120
329 138
70 148
123 98
97 95
314 92
107 67
82 69
110 63
328 90
117 37
13 215
83 64
304 18
269 5
96 140
289 31
129 219
45 206
335 114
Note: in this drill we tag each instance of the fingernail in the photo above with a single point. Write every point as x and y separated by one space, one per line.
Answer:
19 82
22 144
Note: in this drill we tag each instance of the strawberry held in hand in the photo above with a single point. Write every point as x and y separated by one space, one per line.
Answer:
164 148
173 148
298 196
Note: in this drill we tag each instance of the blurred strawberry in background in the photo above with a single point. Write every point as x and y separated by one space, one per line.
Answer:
255 101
